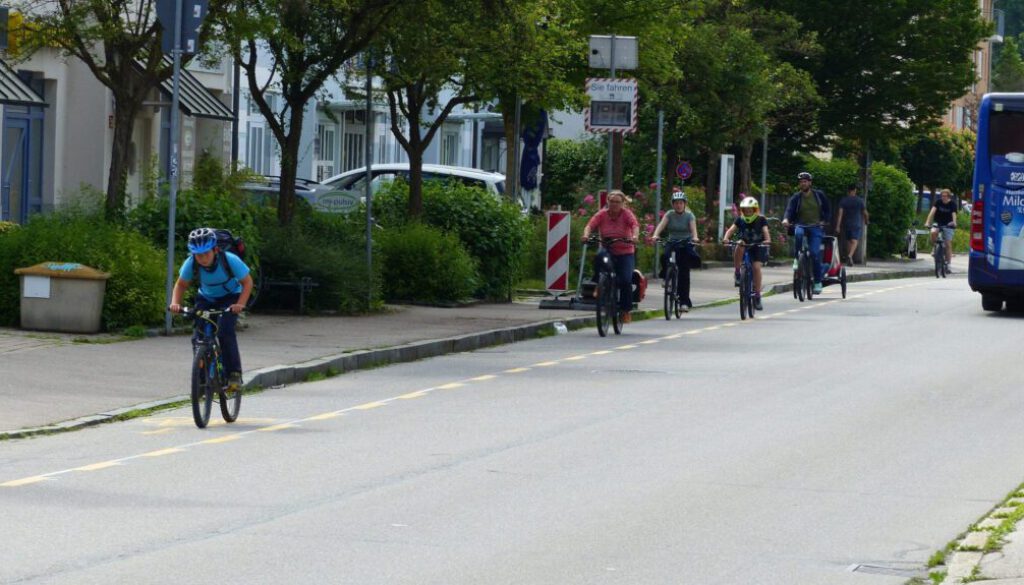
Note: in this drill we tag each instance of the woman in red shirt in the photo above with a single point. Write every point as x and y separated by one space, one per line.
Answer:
616 221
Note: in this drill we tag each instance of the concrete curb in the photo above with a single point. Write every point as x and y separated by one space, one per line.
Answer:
347 362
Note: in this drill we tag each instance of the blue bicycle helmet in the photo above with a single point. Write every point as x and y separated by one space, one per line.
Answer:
201 240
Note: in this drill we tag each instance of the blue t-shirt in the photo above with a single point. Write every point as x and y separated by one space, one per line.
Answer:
214 282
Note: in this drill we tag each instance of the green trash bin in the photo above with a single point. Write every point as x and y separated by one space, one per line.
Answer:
62 296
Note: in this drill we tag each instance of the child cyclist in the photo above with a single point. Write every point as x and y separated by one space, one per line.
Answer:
753 229
219 288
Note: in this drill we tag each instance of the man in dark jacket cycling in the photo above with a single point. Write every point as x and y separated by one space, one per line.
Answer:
809 210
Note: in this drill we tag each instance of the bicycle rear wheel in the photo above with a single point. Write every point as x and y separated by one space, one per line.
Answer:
613 308
202 387
744 288
671 301
604 293
937 256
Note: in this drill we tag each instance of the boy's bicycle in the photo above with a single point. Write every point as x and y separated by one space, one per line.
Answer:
747 292
673 302
939 252
208 375
607 290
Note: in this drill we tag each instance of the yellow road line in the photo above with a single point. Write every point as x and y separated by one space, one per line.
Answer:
545 364
517 370
25 481
158 431
162 452
98 466
649 341
628 346
411 395
483 378
279 427
451 386
601 352
326 415
369 405
574 358
223 439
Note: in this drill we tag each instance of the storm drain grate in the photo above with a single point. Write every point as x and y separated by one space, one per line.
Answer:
891 570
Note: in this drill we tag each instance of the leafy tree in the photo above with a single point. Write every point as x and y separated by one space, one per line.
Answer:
424 59
891 68
1008 72
941 158
119 41
303 43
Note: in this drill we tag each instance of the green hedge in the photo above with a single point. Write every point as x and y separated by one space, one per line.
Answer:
135 290
493 231
422 263
330 249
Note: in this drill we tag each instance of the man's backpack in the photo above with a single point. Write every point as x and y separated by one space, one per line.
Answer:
227 242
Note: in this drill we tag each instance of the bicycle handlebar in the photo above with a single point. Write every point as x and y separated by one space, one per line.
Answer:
608 241
735 243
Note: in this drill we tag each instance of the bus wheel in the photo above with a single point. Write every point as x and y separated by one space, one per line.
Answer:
991 302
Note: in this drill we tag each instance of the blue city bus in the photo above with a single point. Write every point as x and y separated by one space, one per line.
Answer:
996 268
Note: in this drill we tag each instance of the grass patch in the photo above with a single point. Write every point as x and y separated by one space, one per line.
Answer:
321 375
939 558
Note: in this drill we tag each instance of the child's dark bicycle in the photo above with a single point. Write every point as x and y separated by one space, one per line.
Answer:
748 296
674 303
208 375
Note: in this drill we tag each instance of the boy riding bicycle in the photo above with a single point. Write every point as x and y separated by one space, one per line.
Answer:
752 228
224 283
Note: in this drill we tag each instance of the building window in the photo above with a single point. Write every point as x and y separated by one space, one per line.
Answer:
450 148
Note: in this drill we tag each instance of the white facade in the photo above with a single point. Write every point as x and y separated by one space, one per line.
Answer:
68 143
334 135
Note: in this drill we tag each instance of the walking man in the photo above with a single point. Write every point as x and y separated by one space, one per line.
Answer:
851 220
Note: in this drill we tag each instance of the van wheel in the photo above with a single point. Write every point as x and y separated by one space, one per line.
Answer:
991 303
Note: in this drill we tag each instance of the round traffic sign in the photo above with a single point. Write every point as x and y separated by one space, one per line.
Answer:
684 170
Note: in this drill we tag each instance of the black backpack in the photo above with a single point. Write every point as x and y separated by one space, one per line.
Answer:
227 242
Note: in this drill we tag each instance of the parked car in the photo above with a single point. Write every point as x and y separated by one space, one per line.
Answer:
353 182
266 189
355 179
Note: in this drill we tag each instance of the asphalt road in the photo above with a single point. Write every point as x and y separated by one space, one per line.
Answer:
832 441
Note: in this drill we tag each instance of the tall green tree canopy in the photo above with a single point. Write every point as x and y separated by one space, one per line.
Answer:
888 68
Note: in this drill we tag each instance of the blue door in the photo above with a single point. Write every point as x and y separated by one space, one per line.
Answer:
14 170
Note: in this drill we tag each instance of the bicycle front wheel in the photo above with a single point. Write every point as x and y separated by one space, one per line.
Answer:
202 387
938 257
230 401
808 270
670 292
604 296
613 308
744 289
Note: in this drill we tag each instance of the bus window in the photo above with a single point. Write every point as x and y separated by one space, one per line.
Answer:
1006 133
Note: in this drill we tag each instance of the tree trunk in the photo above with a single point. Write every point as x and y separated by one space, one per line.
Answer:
125 110
617 142
744 179
508 120
415 152
289 166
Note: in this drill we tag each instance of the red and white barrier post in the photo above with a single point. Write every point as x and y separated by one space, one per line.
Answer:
556 279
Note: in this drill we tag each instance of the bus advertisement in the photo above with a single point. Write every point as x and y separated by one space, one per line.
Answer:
996 266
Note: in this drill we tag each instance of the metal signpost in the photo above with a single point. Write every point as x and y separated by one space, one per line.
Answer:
183 38
613 53
727 169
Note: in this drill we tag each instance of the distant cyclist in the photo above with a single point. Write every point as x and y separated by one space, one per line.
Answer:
809 210
681 225
752 228
616 221
943 213
219 288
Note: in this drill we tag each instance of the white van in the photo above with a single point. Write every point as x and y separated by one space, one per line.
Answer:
354 181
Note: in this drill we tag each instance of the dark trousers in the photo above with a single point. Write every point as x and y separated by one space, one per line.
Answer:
623 266
226 333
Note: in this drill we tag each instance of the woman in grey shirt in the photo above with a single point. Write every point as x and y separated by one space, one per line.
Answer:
681 226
